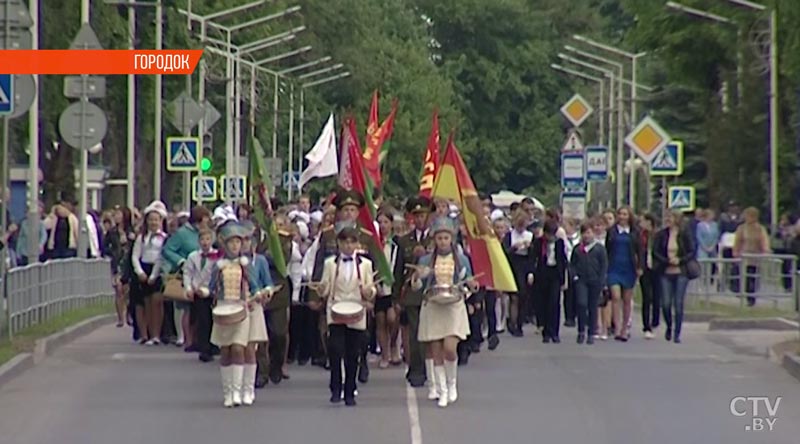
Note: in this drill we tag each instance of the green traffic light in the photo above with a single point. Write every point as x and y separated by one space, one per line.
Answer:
205 164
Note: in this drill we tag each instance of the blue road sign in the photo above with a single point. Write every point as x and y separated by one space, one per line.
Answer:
668 161
204 189
597 163
681 198
183 154
291 179
233 188
573 170
6 94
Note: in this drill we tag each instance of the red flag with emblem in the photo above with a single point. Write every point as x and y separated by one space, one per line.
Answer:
376 136
430 163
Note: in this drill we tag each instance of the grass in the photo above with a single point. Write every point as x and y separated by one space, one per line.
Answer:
24 340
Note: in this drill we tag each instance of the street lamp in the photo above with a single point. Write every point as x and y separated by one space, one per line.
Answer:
634 115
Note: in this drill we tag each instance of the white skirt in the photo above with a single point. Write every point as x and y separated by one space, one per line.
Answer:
438 321
258 325
227 335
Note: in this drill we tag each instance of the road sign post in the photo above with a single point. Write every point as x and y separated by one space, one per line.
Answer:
83 124
233 188
646 140
573 171
204 189
597 163
185 115
573 204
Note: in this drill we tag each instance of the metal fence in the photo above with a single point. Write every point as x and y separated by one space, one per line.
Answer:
750 278
39 292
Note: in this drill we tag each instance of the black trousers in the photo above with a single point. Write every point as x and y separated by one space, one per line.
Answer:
302 333
202 321
416 350
651 299
344 344
569 305
490 303
549 296
587 296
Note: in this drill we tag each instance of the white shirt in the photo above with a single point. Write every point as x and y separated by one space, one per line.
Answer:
551 254
347 267
147 249
197 275
621 229
296 271
91 230
572 242
419 235
517 237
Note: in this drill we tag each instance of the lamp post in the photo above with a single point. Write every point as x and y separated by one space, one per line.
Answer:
633 57
619 177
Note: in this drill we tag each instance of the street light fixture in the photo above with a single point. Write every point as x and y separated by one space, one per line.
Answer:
321 71
285 55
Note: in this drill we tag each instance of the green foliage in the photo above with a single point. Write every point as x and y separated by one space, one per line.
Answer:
484 64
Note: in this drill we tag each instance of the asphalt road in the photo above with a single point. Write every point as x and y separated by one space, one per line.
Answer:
102 389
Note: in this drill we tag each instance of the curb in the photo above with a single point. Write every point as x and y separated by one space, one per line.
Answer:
776 324
791 363
699 316
45 346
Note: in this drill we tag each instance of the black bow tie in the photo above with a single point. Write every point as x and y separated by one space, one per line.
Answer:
347 259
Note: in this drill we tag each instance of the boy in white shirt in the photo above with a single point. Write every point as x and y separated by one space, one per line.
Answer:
196 277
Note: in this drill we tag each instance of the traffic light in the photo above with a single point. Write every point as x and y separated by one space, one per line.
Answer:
205 162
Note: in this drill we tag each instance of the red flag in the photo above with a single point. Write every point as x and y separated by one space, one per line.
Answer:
430 163
366 216
489 261
376 136
345 169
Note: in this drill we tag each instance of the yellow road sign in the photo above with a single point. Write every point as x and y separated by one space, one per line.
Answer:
576 110
647 139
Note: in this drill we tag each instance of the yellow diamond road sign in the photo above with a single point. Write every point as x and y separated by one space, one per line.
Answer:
647 139
576 110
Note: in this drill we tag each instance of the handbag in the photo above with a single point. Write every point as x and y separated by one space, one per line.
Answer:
173 288
693 269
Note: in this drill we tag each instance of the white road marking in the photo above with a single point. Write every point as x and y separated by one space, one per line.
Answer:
413 415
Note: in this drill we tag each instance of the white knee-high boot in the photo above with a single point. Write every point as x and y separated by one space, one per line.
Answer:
441 382
433 392
451 370
236 383
249 384
227 392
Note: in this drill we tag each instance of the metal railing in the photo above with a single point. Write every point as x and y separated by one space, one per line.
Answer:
750 278
38 292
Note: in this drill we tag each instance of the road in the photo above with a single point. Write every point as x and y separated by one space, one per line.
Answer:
102 389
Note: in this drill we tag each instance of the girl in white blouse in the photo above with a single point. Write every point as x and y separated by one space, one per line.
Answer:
146 262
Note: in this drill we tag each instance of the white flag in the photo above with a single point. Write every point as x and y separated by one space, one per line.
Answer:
322 160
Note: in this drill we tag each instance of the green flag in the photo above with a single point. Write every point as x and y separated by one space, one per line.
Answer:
262 187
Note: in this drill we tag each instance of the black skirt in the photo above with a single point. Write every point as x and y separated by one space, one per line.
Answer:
143 290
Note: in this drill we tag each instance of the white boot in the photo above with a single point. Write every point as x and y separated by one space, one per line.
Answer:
441 381
227 393
236 383
249 384
433 393
451 370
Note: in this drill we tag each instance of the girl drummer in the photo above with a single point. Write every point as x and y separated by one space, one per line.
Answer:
346 277
231 284
442 326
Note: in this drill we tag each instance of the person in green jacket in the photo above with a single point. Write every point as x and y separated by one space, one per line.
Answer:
177 248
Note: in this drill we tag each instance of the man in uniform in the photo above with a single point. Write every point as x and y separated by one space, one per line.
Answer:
348 205
271 359
412 247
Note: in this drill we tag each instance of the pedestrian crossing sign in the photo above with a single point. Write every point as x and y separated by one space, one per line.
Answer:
681 198
204 189
234 188
668 161
183 154
6 94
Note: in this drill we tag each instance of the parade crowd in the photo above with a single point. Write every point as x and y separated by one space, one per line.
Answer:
174 272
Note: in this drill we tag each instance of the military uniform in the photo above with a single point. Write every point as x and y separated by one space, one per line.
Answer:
271 359
411 247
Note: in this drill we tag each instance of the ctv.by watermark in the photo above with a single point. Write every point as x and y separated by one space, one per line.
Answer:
762 411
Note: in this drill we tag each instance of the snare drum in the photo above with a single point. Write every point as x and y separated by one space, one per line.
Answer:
229 313
347 312
444 294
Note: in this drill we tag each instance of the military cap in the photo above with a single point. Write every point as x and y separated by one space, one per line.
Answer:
419 204
348 197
